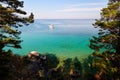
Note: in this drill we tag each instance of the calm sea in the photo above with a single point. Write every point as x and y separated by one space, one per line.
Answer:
69 38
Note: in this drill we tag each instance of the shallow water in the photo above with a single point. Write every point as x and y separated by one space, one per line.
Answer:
69 38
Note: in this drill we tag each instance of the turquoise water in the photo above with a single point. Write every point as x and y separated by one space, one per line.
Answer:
70 38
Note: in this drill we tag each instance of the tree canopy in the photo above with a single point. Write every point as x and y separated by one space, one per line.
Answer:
109 34
106 46
11 18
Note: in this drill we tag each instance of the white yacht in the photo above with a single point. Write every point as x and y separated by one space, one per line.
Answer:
51 26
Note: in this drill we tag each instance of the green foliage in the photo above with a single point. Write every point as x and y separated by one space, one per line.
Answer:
106 46
10 20
109 33
105 66
71 68
14 67
52 61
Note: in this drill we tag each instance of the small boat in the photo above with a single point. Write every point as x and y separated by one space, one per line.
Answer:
51 26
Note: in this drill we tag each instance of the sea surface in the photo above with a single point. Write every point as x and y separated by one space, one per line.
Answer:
69 38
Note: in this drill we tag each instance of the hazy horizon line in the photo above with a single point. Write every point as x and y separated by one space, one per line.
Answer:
66 18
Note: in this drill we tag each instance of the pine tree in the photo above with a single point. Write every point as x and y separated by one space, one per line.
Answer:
106 46
10 21
109 34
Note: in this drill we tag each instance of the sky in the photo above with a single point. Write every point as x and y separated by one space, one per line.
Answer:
65 9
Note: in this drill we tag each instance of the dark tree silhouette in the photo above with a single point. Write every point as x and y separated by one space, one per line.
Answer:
10 20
